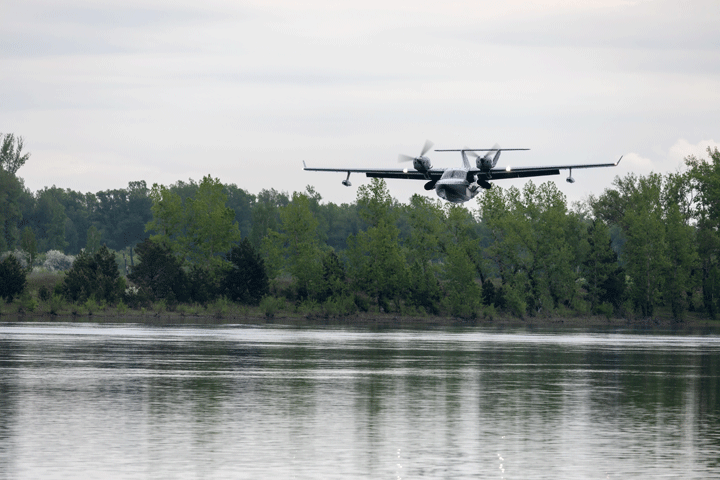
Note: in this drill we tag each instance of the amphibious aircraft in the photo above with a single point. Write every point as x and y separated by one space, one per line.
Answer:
460 184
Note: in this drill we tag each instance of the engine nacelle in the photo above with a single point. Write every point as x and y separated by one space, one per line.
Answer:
570 180
488 161
422 164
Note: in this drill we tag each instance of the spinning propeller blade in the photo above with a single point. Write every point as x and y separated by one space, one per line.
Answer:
428 145
407 158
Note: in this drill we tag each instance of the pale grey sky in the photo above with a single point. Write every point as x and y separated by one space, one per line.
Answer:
106 92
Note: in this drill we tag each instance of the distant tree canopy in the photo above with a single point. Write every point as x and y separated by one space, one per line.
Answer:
647 243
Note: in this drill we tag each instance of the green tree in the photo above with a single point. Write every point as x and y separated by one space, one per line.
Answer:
48 219
509 232
122 214
12 278
11 195
301 245
425 252
246 281
159 274
201 229
29 244
532 232
93 240
462 261
605 279
704 180
680 236
95 275
11 155
266 214
645 251
376 260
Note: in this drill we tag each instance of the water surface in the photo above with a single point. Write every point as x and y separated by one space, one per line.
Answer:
246 402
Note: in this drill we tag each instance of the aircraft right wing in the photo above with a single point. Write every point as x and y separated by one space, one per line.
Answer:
521 172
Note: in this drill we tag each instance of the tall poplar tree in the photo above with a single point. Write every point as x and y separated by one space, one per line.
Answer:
200 230
376 259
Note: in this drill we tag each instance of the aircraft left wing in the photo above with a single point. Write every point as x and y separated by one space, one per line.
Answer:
403 173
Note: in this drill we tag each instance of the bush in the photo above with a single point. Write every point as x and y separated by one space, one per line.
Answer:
91 305
12 278
341 306
44 293
56 261
220 307
56 303
27 302
121 307
605 308
270 305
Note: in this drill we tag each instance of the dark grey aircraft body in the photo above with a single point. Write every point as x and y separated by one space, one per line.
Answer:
460 184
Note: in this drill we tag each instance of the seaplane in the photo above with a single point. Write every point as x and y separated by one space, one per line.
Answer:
460 184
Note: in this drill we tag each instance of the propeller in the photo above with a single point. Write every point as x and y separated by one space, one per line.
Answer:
487 156
407 158
470 152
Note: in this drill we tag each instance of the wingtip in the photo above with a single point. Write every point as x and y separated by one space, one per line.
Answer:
618 162
304 166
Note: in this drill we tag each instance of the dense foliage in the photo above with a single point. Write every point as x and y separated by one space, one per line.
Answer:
647 244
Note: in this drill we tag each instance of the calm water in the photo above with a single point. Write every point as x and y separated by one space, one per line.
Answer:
237 402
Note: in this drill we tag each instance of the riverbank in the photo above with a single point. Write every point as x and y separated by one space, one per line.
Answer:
371 321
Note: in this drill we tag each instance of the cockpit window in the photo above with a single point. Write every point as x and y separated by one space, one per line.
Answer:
454 173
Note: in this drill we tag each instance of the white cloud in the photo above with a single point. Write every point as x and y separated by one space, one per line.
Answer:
682 149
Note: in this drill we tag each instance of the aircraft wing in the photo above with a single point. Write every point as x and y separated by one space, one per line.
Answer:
403 173
521 172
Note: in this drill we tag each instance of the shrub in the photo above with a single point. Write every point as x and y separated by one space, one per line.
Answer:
91 305
56 303
27 302
12 278
220 307
56 261
44 293
121 307
270 305
605 308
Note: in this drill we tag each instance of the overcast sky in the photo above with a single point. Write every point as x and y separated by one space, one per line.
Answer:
107 92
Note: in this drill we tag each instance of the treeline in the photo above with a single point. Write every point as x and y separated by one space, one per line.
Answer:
647 244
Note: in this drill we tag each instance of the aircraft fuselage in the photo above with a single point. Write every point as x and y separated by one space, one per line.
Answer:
454 186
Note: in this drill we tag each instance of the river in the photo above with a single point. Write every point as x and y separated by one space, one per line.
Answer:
229 402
